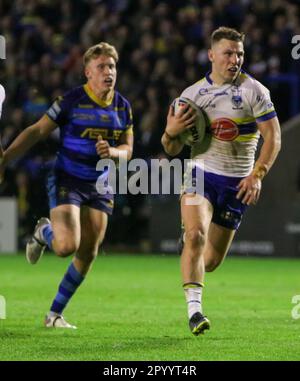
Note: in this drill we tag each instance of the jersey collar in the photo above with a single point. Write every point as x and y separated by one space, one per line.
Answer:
207 76
96 99
236 81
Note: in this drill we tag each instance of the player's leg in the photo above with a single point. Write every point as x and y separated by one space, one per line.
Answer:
93 228
217 245
64 239
196 219
62 234
227 216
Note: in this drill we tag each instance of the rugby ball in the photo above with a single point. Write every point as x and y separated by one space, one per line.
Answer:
196 133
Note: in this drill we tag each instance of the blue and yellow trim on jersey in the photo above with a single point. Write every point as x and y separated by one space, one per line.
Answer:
247 129
269 114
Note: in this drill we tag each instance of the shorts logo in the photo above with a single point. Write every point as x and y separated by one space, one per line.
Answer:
63 192
224 129
230 217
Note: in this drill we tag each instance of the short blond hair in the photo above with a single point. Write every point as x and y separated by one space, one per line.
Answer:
228 34
103 48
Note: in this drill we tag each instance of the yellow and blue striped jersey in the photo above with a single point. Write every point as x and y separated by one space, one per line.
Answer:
81 117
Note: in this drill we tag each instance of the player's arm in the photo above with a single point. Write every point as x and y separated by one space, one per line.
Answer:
125 147
28 138
122 150
249 188
176 124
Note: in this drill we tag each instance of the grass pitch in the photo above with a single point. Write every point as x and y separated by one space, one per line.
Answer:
133 308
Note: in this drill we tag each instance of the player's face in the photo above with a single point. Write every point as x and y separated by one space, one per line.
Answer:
227 58
101 73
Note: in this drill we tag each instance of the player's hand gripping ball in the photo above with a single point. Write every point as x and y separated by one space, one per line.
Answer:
196 133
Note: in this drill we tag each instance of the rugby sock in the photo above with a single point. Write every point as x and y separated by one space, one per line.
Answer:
47 235
193 296
71 281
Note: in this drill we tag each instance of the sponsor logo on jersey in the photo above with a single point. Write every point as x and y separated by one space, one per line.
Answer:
105 118
224 129
85 106
203 91
83 116
93 133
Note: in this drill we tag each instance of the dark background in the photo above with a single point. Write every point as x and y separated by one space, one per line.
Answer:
162 47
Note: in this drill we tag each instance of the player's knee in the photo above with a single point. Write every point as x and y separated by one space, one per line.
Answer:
195 237
65 249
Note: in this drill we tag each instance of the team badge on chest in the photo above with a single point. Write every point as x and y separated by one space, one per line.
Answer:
236 98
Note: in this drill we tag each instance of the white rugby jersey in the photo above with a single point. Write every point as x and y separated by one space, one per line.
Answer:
233 110
2 97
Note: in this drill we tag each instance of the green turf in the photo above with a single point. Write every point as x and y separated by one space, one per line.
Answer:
133 308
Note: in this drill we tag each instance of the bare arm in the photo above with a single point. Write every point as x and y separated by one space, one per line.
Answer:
176 124
123 150
28 138
172 146
250 187
271 134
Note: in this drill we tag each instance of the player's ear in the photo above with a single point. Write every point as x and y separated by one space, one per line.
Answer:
87 72
210 55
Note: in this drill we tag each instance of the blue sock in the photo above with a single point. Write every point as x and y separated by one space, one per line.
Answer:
47 234
71 281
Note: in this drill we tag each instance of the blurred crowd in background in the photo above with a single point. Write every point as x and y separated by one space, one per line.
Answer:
162 47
